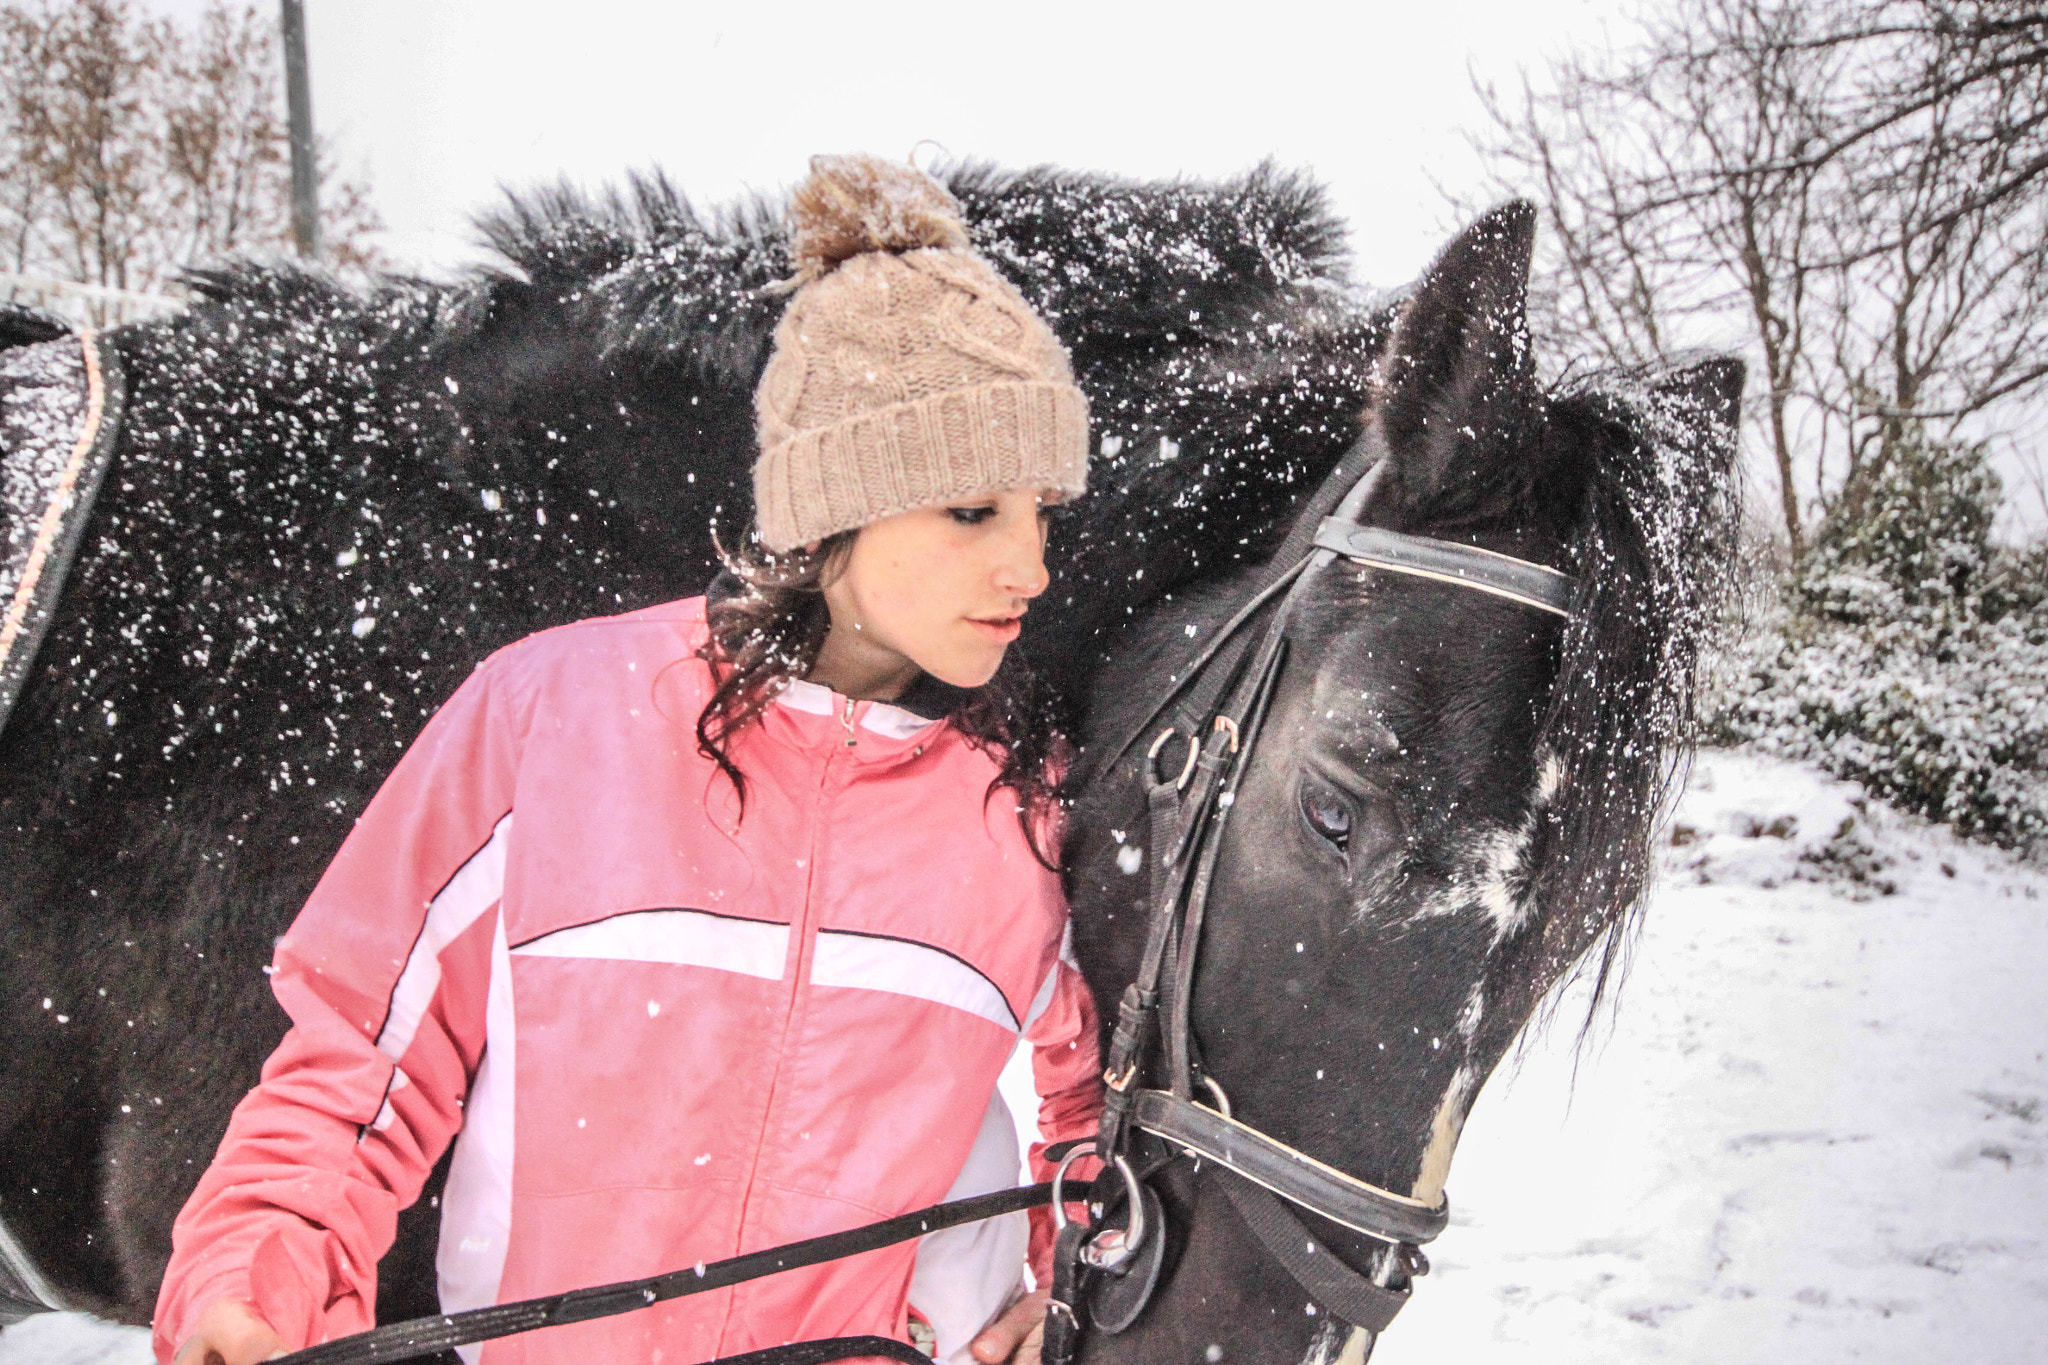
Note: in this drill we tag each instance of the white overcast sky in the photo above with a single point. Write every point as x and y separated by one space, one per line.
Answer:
442 101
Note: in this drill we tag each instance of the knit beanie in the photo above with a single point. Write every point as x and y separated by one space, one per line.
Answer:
905 371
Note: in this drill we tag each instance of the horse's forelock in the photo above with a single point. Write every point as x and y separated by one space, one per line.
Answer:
1650 552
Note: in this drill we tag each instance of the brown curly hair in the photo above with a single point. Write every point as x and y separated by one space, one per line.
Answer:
768 619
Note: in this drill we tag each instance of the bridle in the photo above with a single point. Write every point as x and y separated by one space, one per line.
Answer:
1216 708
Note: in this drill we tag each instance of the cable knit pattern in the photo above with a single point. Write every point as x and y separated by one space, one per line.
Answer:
905 375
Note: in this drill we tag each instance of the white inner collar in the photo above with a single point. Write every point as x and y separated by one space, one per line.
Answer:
890 722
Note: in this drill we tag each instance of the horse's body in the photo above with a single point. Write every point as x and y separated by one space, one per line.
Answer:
324 510
479 461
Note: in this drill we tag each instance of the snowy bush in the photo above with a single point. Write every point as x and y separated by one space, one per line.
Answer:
1909 652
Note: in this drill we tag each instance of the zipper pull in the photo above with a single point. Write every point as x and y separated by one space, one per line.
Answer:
846 719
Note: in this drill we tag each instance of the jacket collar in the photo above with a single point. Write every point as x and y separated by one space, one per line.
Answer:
885 719
924 704
894 723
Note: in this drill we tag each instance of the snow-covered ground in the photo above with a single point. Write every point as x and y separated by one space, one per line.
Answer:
1815 1131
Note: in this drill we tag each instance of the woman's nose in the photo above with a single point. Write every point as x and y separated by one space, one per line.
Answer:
1021 572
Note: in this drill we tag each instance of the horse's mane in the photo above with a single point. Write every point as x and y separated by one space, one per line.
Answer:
1652 554
1110 262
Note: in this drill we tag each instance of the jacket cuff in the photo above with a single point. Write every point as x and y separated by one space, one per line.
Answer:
171 1328
287 1286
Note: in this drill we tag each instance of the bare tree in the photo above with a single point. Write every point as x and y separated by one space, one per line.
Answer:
224 133
135 148
82 121
21 186
1854 187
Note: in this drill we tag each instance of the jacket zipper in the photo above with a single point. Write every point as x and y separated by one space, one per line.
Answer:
801 928
846 719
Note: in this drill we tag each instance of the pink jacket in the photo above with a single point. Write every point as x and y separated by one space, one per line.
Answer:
666 1034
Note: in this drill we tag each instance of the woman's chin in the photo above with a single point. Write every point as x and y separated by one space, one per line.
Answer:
969 673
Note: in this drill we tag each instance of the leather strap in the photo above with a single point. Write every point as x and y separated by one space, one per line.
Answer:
1191 696
1138 1008
1229 746
1287 562
1290 1174
425 1336
1062 1339
1468 566
830 1348
1327 1280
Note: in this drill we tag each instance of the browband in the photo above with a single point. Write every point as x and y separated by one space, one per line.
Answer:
1468 566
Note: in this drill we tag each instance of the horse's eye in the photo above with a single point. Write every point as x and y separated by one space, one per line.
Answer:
1327 814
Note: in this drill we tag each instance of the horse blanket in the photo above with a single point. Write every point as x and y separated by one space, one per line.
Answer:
60 406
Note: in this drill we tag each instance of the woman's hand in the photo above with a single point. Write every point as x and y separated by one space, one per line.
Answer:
1013 1338
230 1332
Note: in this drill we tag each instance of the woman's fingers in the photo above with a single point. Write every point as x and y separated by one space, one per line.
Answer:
229 1332
1013 1338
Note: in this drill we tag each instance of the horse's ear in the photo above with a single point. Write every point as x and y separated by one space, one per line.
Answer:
1712 387
1456 382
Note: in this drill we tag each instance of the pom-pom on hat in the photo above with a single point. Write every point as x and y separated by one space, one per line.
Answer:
905 371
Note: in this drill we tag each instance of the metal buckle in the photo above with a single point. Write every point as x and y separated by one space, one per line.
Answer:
1112 1246
1194 752
1121 1082
1059 1182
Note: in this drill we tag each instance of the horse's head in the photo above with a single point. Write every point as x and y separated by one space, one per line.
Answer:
1452 793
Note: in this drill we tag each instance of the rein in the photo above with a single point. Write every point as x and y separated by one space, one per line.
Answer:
1216 708
423 1336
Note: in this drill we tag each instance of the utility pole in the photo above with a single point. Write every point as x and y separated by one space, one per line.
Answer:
299 102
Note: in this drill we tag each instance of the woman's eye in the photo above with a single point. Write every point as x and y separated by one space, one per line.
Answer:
970 516
1327 815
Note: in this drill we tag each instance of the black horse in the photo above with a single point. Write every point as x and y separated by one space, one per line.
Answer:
326 509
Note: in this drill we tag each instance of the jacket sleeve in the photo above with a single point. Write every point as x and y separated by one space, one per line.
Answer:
1067 1068
384 975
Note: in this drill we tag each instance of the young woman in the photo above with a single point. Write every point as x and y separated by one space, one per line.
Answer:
709 927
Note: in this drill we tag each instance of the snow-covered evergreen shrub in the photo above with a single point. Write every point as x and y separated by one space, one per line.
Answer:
1909 652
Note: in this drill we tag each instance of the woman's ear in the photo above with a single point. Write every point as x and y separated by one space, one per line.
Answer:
833 567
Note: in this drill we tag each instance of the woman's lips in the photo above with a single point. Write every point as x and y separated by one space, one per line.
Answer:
1001 629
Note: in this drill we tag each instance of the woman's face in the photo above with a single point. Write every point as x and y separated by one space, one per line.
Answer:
941 588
